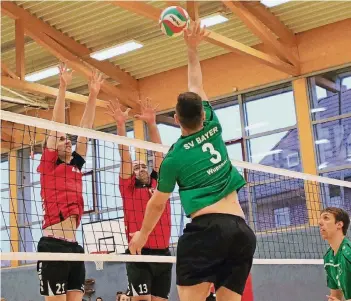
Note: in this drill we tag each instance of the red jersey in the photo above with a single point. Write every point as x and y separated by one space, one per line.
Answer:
61 187
135 197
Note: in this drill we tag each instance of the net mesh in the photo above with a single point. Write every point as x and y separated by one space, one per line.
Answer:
281 206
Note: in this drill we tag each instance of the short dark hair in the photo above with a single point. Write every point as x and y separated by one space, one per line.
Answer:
189 110
340 215
119 293
98 298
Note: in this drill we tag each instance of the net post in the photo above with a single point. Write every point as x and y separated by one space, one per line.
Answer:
14 235
139 133
309 165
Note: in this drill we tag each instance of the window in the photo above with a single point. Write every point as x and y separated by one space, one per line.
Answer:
333 143
267 113
109 193
346 81
169 134
107 153
230 121
293 159
4 174
282 217
5 246
272 150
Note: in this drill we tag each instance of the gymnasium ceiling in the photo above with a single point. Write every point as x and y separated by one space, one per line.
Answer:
98 25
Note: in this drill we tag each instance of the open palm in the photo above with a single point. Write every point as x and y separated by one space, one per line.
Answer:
115 111
148 111
65 75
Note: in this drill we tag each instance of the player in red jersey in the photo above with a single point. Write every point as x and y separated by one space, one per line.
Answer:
146 281
61 192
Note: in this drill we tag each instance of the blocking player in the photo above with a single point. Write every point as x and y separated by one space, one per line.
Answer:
61 192
208 184
334 223
146 281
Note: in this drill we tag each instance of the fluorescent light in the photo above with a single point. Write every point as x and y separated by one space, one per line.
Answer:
316 110
116 50
32 77
322 141
213 20
272 3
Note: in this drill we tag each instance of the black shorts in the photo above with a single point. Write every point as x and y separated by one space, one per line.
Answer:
149 278
58 277
216 248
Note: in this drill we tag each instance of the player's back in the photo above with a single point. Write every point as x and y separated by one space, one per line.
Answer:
205 174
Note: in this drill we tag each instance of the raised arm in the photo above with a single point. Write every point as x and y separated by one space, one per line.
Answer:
193 37
59 114
148 115
114 110
88 117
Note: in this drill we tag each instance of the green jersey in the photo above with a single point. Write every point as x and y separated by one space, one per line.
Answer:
200 165
338 268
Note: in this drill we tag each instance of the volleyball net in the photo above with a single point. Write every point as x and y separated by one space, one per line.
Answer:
281 206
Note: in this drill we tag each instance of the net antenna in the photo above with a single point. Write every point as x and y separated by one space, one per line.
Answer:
99 264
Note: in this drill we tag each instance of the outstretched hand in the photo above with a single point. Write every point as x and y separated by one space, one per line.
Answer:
95 82
194 34
115 111
65 75
148 111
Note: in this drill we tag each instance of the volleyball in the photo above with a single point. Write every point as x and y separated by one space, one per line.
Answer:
173 20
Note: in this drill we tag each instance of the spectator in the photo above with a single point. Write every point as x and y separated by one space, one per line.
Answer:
118 295
99 299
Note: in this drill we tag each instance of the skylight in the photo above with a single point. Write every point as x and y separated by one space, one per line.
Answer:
48 72
213 20
116 50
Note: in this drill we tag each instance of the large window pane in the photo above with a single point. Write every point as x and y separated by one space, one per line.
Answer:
169 134
109 193
346 82
36 204
108 153
88 192
326 104
280 150
279 204
337 196
333 143
235 152
270 113
34 163
5 246
4 174
5 208
89 158
230 121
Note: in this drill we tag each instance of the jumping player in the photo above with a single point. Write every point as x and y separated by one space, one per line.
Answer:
61 192
146 281
208 183
334 223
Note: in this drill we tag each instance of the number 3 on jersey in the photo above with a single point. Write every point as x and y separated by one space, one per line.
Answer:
216 156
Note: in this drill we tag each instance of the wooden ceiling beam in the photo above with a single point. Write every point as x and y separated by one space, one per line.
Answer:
5 71
140 8
75 63
255 54
215 38
46 90
15 12
262 32
263 14
19 40
192 7
327 84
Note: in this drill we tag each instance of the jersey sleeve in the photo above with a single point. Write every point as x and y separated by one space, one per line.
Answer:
209 112
47 161
167 176
331 283
77 160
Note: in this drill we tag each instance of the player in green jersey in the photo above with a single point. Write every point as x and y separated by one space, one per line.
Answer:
333 224
217 246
